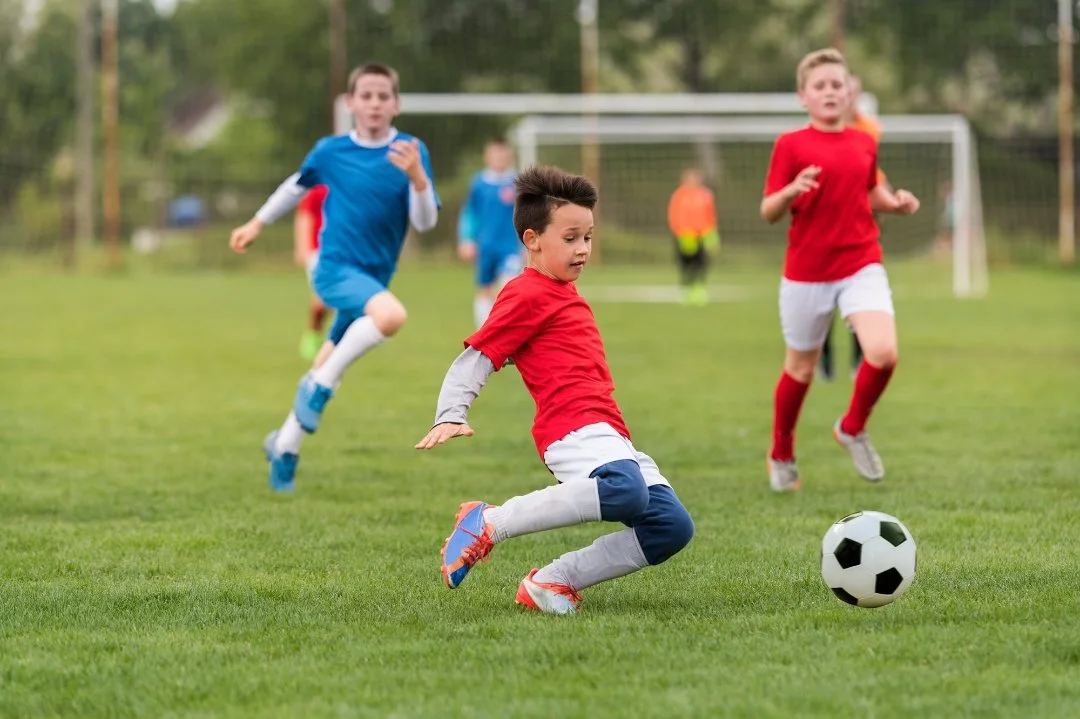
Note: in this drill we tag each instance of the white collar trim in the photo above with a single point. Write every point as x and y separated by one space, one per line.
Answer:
364 142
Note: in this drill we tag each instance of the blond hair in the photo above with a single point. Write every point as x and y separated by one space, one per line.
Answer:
373 68
828 56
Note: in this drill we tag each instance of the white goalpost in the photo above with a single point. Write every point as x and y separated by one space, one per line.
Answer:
968 246
744 125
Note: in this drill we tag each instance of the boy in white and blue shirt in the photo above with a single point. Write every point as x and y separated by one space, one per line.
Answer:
380 182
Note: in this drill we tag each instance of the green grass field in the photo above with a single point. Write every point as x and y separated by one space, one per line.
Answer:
146 570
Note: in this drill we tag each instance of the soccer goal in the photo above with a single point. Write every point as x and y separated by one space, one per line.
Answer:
643 155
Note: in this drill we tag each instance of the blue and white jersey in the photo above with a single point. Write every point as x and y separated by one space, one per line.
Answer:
366 215
490 207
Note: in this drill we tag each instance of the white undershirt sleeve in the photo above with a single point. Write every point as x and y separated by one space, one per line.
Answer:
461 386
423 210
285 197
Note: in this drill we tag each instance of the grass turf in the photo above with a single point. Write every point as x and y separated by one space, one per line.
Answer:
145 570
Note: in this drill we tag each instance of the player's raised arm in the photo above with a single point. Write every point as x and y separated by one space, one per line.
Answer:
774 206
411 158
466 377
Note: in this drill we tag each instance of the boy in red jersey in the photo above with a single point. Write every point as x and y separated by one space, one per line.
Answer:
859 121
541 321
307 224
826 176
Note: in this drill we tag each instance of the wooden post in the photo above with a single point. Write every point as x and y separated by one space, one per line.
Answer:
84 132
836 10
1066 129
338 56
110 120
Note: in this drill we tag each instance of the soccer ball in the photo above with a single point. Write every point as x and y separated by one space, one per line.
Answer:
868 559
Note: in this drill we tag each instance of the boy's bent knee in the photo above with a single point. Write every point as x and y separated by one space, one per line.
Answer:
622 490
884 355
665 527
387 313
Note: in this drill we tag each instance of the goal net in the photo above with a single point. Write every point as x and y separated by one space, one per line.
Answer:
934 156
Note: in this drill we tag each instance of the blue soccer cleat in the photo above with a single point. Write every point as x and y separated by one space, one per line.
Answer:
282 465
471 541
311 399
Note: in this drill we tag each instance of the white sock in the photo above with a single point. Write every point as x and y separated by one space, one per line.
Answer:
481 309
289 436
609 557
361 336
561 505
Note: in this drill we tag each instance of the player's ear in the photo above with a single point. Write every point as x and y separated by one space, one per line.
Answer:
531 240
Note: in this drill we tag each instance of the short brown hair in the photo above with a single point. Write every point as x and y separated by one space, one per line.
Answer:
373 68
828 56
543 189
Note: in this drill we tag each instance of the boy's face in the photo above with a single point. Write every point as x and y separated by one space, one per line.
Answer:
562 250
373 104
498 157
825 93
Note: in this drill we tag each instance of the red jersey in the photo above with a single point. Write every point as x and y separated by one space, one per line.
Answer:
550 332
312 204
833 234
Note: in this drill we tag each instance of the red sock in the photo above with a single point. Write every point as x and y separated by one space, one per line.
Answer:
870 382
790 394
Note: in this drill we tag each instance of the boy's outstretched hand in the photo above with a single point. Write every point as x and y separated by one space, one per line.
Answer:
244 235
440 433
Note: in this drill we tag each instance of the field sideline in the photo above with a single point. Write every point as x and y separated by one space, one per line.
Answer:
145 569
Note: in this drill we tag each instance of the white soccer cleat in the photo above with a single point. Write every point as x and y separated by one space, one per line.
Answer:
867 461
547 597
783 475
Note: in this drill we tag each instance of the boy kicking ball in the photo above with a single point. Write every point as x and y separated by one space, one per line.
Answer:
541 321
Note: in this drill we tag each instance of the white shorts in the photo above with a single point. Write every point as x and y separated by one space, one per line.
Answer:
312 263
575 456
806 308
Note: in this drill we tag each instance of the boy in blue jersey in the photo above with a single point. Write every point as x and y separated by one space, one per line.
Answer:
486 231
380 181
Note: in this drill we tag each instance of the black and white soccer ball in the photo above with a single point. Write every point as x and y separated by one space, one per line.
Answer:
868 559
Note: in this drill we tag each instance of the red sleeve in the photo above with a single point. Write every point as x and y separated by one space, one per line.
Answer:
514 320
313 200
309 204
781 166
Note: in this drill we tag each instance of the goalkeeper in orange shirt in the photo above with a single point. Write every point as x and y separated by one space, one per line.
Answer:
692 219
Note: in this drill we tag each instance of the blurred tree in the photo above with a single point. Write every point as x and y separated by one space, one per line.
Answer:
37 90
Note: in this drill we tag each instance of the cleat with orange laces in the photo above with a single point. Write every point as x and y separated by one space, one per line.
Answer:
470 542
547 597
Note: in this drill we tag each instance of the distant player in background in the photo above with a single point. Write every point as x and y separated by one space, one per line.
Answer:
865 123
307 224
825 175
379 181
692 220
486 234
540 319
